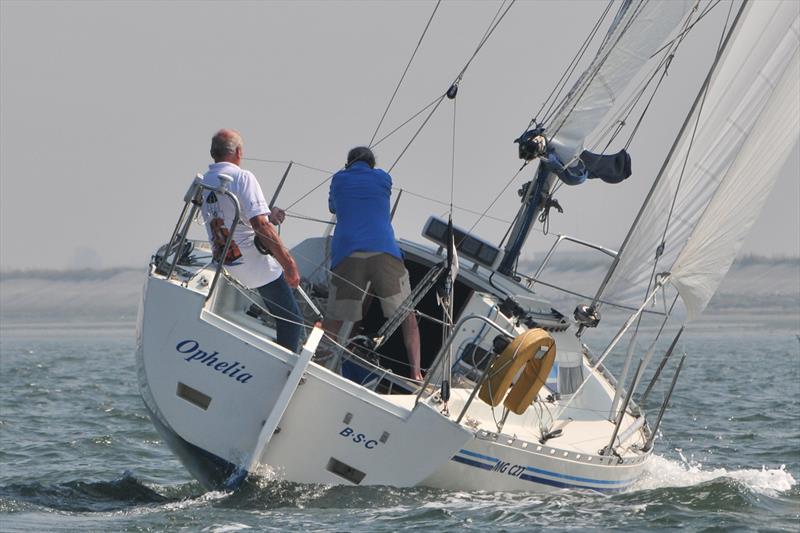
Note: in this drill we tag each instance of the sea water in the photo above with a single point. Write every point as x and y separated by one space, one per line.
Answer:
78 452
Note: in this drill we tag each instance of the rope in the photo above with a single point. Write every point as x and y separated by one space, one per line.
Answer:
403 76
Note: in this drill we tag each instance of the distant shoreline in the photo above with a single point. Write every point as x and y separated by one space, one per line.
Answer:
563 260
757 290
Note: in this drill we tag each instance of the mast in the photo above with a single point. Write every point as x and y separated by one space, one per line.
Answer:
532 204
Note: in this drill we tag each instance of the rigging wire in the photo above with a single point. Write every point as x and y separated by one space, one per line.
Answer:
403 76
466 210
308 193
300 216
561 83
483 214
405 191
585 297
498 17
453 158
415 115
637 11
419 130
688 29
286 162
492 27
633 100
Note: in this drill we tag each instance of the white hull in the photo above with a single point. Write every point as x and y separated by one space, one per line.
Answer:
210 377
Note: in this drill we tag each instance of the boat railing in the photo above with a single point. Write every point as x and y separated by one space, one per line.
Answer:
440 359
193 201
532 280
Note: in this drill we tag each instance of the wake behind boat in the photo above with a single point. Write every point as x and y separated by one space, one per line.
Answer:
512 398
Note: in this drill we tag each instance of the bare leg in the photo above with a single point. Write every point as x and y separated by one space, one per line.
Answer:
411 340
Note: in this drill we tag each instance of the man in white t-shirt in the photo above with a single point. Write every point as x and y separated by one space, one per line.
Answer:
273 275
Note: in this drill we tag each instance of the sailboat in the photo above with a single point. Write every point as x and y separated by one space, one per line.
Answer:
513 398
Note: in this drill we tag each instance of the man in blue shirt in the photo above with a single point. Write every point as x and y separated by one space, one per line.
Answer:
364 250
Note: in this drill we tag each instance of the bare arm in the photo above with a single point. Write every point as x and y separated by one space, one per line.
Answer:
270 237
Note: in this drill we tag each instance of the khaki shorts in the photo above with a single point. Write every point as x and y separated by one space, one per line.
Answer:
349 280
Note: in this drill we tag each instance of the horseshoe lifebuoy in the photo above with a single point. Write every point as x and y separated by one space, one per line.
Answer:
522 352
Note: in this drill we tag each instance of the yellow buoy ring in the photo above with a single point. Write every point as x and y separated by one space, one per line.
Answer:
522 353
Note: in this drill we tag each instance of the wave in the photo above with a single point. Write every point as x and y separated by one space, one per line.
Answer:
84 496
668 473
671 494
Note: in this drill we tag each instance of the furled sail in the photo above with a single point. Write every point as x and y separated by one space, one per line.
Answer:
714 186
639 28
636 34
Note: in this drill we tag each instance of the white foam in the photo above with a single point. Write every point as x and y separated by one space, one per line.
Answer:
225 528
662 472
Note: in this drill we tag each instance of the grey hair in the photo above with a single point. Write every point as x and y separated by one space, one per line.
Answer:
224 143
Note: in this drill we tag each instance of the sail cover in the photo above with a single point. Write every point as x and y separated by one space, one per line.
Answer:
747 127
635 35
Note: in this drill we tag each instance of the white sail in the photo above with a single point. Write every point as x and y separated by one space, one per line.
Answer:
746 128
633 39
718 236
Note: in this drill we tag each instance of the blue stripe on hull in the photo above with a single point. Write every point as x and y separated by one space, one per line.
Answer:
478 455
541 480
470 462
577 478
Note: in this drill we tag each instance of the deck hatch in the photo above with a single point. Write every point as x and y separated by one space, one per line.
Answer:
193 396
353 475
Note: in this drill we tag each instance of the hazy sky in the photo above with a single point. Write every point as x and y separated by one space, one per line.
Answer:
107 110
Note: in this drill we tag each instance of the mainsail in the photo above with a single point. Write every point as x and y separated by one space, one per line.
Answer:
712 189
636 34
